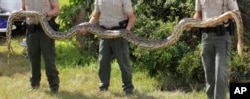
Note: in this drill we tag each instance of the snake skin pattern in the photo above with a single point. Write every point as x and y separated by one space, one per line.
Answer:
184 24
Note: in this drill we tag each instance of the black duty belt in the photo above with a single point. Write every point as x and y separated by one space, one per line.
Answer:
34 27
219 29
111 28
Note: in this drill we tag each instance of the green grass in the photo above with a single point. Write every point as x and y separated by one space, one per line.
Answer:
76 82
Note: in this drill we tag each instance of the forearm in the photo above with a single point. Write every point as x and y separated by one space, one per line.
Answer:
55 10
23 6
131 21
95 18
197 15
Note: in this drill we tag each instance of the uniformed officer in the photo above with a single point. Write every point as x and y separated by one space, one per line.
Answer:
39 43
112 15
216 42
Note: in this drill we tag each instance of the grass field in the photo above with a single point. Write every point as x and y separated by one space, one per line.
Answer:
76 82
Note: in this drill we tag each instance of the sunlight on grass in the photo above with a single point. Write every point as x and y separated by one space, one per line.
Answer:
81 82
63 2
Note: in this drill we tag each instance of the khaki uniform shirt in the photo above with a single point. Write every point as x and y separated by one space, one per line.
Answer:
112 11
41 6
212 8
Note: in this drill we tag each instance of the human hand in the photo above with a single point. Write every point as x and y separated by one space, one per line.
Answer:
45 14
83 31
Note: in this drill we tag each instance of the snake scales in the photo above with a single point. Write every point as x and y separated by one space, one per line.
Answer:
184 24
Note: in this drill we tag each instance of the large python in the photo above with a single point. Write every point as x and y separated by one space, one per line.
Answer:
184 24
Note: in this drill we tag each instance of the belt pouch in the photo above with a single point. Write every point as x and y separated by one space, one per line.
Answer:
30 28
38 27
220 30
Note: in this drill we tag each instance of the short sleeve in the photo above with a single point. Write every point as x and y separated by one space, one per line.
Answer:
197 5
127 6
96 6
232 5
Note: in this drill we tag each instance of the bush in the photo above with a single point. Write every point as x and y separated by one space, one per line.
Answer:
160 60
190 67
69 55
239 68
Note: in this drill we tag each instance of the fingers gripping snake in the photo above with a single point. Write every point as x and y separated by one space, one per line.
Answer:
184 24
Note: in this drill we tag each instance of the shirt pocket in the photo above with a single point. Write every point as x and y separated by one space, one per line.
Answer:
45 3
217 4
117 3
118 6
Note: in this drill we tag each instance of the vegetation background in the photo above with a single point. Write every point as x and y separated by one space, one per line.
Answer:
168 73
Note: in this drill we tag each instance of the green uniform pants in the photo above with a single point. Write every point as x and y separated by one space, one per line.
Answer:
215 58
117 47
39 43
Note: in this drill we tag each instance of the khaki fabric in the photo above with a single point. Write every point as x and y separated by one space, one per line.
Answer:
211 8
112 11
41 6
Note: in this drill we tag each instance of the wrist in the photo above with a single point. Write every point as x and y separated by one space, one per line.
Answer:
128 29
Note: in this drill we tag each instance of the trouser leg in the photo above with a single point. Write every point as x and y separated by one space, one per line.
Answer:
105 55
208 61
33 49
221 74
121 52
215 58
49 54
